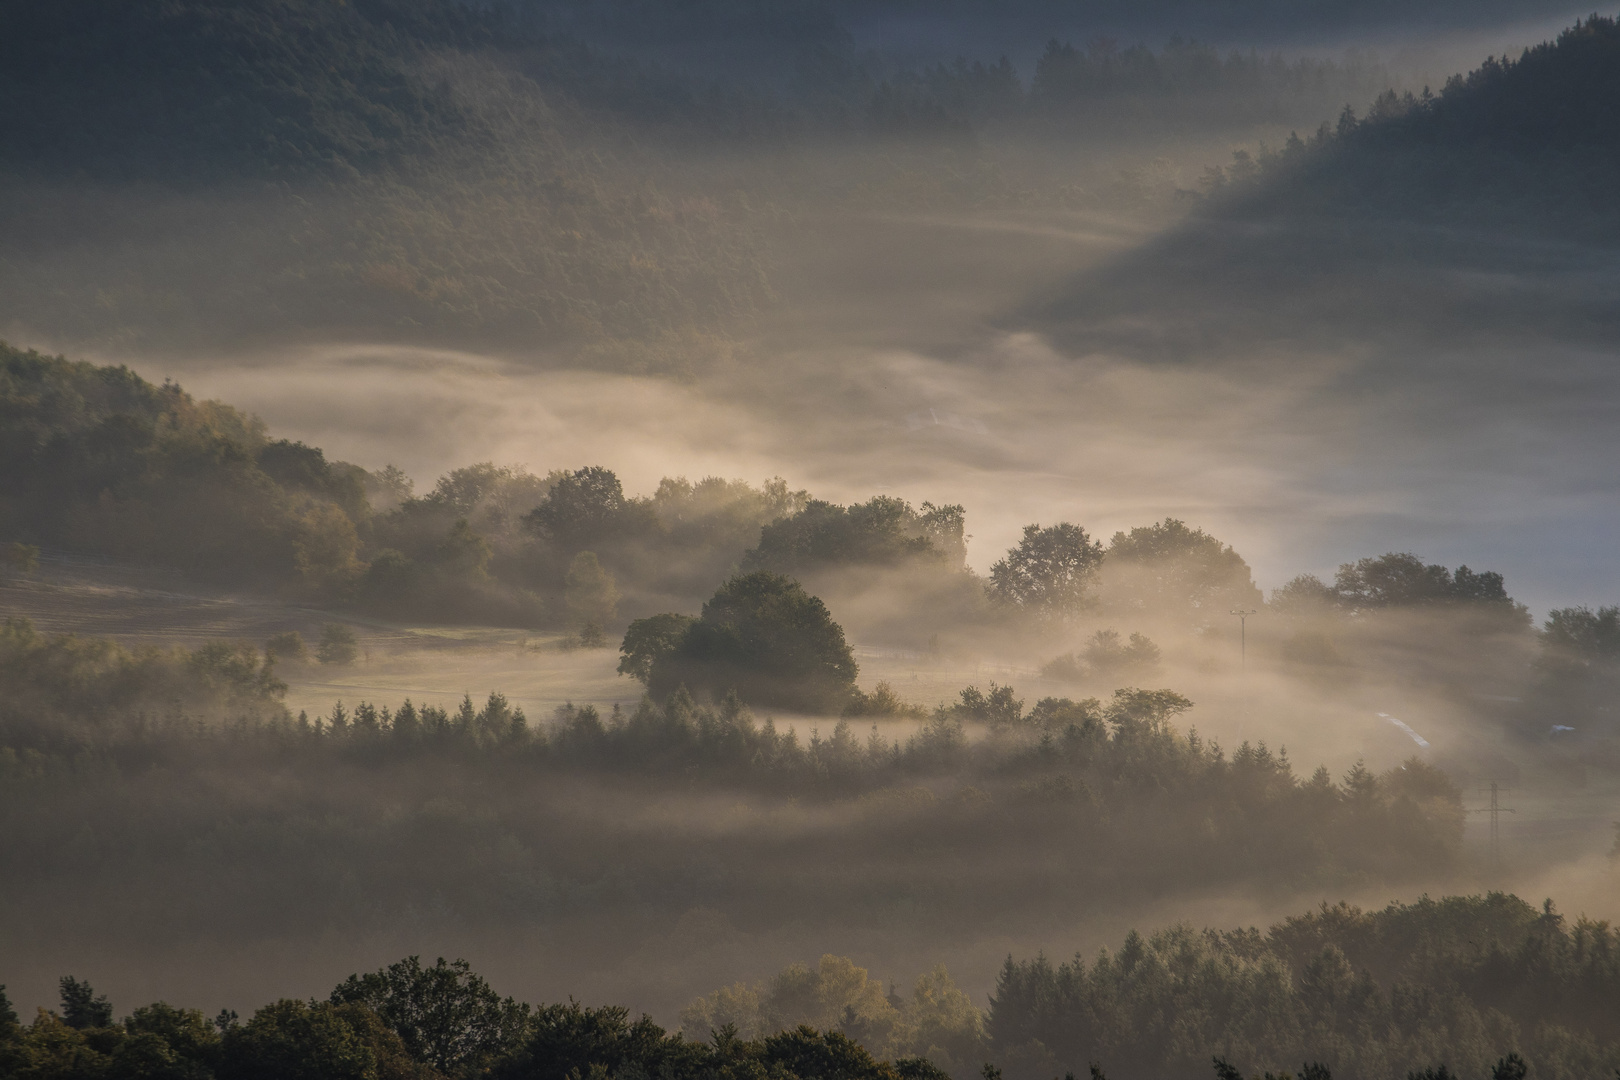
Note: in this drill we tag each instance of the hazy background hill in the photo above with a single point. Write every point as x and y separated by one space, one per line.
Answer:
561 178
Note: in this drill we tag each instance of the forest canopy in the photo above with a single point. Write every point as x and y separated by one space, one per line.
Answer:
109 773
1463 986
99 462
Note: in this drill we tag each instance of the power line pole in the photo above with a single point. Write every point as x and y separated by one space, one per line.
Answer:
1243 634
1496 810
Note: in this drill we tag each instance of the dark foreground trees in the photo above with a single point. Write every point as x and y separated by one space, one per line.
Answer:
1454 989
296 1040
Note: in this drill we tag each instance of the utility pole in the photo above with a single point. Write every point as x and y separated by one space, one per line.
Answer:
1496 810
1243 634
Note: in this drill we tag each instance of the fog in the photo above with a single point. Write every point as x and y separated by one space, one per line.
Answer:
1050 313
1482 446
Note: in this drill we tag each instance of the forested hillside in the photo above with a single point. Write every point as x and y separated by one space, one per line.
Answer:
501 175
99 462
1532 138
105 754
1463 981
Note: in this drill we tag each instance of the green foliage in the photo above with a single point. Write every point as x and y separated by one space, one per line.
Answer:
809 1053
1579 672
999 708
883 531
81 1008
339 645
1403 579
98 459
582 508
1168 567
21 558
531 530
1050 574
648 641
59 690
1472 980
286 87
326 817
1139 85
938 1021
1512 1067
445 1016
1108 657
589 592
882 701
1519 141
287 646
766 638
571 1040
1581 634
1304 595
293 1040
185 1033
449 1016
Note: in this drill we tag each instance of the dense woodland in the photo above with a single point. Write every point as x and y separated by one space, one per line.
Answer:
1466 981
1527 142
522 173
621 185
107 753
1462 987
100 462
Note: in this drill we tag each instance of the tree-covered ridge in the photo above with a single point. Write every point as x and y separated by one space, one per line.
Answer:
1532 136
100 460
208 89
474 171
96 460
198 89
1461 987
1400 580
882 531
413 167
411 1021
1464 981
1108 784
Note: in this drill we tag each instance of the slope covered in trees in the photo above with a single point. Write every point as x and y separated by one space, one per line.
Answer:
409 1021
1529 140
519 174
99 462
1463 981
373 815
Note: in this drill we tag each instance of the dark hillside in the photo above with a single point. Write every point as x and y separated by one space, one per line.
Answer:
284 86
1482 213
617 184
1536 138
